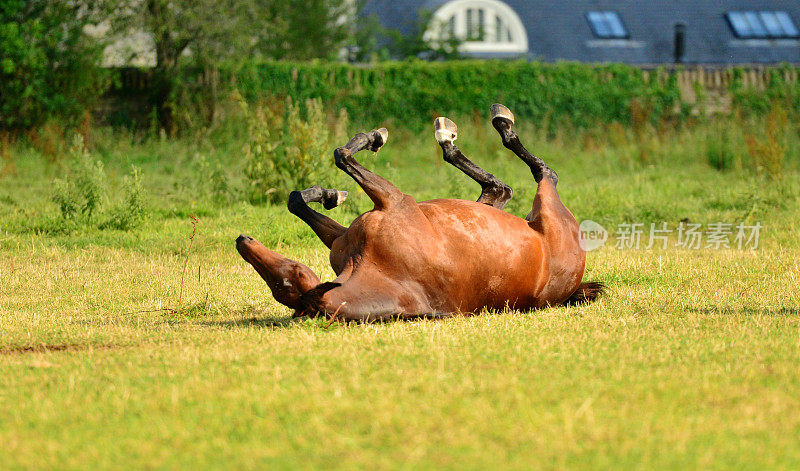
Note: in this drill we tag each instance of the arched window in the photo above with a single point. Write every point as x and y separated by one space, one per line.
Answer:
484 26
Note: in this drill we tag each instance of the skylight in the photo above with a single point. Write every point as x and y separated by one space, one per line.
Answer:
606 25
762 25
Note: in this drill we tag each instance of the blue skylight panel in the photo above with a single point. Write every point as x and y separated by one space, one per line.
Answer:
759 31
739 24
771 23
787 24
606 25
598 23
762 24
616 25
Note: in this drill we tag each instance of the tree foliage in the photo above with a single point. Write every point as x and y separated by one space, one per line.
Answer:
200 32
311 30
376 41
205 33
417 44
49 68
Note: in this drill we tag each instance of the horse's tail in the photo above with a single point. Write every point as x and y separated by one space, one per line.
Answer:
587 292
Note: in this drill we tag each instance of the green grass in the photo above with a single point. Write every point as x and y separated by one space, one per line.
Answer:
690 361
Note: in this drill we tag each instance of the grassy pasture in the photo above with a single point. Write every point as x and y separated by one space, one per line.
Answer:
691 361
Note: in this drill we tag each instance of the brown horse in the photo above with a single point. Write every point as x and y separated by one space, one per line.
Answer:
436 258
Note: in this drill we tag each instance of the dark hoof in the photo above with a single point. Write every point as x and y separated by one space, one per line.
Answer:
380 136
333 198
501 114
445 130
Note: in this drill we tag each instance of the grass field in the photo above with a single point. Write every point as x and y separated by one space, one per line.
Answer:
111 356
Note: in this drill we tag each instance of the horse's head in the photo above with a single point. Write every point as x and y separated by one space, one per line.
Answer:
287 279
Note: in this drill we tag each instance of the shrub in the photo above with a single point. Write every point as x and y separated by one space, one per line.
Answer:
210 179
778 90
721 146
769 152
65 197
130 212
82 197
90 177
291 150
83 194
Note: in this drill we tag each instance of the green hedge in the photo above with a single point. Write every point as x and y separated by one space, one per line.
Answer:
414 92
781 87
552 95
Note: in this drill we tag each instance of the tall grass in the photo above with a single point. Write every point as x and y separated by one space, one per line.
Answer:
260 152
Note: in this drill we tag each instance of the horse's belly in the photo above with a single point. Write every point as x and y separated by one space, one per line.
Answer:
461 254
489 258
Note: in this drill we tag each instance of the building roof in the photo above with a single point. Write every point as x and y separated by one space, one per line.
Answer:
559 30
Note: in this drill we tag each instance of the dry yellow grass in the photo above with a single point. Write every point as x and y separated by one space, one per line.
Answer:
690 362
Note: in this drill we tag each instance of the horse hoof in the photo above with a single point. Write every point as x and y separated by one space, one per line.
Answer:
380 136
502 113
445 130
333 198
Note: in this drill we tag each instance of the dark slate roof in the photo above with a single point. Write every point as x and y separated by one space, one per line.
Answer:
558 30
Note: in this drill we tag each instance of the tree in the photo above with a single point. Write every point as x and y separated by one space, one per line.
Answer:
199 32
317 29
206 32
372 39
49 68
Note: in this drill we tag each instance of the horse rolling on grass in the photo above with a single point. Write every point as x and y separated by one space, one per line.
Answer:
407 259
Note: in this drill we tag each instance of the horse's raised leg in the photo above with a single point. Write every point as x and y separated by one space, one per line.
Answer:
287 279
379 190
493 191
502 120
326 228
546 203
549 217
